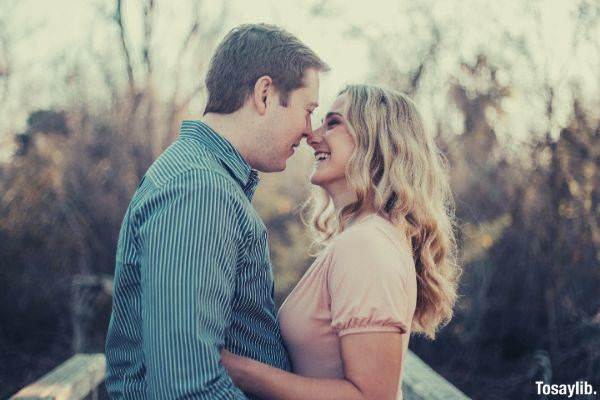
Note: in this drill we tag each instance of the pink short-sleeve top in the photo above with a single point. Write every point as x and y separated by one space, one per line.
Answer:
364 281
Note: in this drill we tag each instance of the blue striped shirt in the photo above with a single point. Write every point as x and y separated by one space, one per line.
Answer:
192 274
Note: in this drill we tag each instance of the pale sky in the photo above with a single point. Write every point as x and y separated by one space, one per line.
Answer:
58 34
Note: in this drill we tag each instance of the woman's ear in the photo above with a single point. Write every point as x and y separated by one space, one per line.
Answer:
262 88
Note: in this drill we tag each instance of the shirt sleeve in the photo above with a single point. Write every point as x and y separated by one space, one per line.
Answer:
367 284
190 242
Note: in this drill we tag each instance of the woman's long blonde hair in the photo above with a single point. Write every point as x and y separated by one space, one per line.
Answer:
398 170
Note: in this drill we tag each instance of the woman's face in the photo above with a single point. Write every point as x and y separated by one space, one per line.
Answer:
333 144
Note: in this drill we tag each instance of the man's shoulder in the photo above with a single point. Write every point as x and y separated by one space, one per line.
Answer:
184 166
187 158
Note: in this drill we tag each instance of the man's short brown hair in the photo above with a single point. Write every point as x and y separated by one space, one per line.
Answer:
249 52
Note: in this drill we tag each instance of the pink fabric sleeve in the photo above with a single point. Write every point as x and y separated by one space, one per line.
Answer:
367 284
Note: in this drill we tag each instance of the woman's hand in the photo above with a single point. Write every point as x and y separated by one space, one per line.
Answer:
235 366
270 383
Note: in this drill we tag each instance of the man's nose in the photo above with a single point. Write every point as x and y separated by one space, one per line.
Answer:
308 125
313 138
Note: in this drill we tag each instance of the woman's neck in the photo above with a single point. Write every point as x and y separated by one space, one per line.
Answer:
342 196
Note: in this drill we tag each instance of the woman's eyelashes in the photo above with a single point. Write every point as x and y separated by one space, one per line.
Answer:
332 122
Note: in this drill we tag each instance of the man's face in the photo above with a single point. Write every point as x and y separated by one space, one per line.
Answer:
288 125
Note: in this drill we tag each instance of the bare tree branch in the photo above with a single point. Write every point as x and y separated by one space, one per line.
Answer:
148 27
208 38
118 18
192 33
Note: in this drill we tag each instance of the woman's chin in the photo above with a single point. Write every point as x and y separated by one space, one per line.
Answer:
316 180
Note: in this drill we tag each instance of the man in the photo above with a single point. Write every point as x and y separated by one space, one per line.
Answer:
193 272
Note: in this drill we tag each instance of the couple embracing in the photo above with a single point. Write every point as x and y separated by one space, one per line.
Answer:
193 308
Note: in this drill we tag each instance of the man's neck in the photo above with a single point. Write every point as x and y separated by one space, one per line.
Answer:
235 129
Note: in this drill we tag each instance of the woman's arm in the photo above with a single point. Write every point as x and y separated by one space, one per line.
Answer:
371 367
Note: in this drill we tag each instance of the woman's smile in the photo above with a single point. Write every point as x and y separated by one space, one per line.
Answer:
321 157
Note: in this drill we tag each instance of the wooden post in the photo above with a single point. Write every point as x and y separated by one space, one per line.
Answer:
85 290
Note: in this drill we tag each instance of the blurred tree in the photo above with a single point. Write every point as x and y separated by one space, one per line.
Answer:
64 193
528 229
528 206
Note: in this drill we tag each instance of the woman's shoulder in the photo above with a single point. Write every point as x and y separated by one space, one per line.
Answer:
371 252
371 245
374 230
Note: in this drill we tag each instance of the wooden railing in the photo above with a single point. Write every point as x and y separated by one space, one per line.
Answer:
75 379
80 376
421 382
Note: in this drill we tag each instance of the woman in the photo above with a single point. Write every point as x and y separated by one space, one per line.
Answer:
383 218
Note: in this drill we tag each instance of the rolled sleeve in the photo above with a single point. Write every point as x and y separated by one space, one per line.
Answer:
191 243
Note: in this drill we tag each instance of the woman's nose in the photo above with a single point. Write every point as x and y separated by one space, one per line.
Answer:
313 138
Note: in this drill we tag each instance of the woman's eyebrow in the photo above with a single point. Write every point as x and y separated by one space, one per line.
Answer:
332 113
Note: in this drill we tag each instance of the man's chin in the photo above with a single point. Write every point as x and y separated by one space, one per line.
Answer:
279 167
282 165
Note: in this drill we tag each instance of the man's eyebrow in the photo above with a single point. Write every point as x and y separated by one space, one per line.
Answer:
315 105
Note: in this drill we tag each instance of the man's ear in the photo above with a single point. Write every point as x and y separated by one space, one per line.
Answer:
262 89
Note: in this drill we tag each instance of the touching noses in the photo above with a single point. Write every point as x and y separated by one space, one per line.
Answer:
314 138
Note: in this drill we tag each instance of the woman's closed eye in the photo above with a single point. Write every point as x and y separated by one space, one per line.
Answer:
332 123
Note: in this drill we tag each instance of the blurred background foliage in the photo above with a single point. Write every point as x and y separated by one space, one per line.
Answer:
518 123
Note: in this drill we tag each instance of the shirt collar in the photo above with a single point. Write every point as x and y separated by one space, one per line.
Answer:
224 150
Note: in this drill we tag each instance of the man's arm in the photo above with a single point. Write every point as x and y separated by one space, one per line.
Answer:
188 279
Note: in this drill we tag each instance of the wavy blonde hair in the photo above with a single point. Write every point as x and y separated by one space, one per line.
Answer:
405 179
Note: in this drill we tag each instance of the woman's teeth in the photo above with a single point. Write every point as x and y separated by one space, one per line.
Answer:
320 156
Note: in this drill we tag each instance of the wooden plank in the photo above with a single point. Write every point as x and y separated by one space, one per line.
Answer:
421 382
72 380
